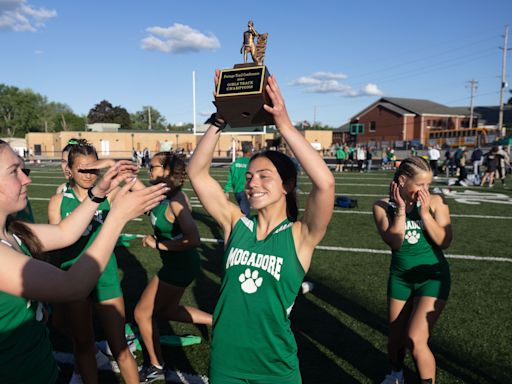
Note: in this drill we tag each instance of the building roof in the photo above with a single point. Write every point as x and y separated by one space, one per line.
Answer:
344 128
404 106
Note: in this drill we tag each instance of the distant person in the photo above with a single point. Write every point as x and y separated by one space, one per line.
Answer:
433 157
369 157
461 167
340 159
416 226
414 152
448 162
504 164
476 160
146 154
491 163
236 180
361 157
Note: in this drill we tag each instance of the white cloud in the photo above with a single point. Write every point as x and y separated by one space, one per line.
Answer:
329 75
329 82
205 113
19 16
38 52
178 38
372 90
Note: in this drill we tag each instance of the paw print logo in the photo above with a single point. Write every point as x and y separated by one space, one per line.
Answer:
250 281
412 237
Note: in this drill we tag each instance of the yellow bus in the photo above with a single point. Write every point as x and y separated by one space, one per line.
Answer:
458 137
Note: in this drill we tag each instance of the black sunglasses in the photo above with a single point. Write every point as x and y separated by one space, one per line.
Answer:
26 171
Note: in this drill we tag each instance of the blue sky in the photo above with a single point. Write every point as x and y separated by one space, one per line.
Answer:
331 58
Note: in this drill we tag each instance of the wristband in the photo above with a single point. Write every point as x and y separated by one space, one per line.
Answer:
213 120
95 199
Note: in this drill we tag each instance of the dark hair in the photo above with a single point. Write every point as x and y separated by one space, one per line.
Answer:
71 142
411 166
288 173
177 169
19 228
81 148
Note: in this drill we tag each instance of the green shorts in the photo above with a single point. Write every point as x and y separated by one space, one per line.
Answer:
424 280
108 285
219 378
179 268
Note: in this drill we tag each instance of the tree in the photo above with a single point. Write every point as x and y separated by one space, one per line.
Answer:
510 100
104 112
20 110
140 119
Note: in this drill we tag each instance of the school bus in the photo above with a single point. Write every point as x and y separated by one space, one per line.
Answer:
458 137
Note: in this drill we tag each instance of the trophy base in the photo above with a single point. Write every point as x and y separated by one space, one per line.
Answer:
241 95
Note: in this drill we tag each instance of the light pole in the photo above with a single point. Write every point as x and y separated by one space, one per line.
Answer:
177 142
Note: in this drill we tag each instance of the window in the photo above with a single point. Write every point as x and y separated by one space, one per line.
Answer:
373 126
37 149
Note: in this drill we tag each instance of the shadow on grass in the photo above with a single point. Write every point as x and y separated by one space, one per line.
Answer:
357 351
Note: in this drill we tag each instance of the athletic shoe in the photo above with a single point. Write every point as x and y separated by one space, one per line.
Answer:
389 379
151 373
307 286
76 378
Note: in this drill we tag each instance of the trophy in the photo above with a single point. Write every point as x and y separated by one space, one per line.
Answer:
241 91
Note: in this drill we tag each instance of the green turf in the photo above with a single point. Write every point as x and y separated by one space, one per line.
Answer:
341 325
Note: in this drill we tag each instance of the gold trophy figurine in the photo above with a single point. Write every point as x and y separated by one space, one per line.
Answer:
257 50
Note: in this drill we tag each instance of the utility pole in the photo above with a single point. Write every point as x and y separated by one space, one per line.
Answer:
473 85
149 118
502 129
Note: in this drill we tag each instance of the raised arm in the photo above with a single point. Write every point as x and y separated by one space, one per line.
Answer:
435 215
207 189
33 279
392 230
61 233
320 202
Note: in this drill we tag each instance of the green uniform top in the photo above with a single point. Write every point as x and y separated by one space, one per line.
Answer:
25 349
236 175
252 338
340 154
26 214
417 248
69 255
179 268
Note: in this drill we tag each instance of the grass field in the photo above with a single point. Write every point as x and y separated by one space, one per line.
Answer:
340 326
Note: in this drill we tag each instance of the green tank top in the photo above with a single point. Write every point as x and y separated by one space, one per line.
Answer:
252 338
25 349
69 255
165 230
417 247
26 214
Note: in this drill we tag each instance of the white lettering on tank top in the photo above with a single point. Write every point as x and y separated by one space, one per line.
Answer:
269 263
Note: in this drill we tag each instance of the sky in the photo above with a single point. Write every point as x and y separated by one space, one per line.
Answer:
331 58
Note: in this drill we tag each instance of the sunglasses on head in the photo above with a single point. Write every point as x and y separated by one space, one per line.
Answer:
26 171
92 171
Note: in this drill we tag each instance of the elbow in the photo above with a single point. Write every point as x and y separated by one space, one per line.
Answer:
327 183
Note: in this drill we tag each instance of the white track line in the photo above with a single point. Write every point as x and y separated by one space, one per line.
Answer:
366 250
195 205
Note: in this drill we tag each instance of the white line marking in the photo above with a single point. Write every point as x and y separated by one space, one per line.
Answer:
342 211
367 250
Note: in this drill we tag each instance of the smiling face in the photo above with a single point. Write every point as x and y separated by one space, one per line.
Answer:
13 188
83 178
412 185
264 186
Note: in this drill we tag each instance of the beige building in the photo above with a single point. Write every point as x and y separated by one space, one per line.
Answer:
121 144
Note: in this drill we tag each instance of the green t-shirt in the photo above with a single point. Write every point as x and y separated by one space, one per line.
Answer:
236 176
25 349
252 338
340 154
26 214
